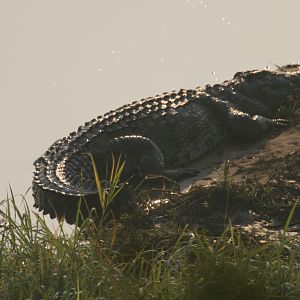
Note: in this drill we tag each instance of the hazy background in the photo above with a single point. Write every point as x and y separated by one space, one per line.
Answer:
65 62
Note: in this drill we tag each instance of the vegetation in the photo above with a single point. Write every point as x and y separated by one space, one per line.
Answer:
153 255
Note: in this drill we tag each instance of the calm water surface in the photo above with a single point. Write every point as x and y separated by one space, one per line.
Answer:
66 62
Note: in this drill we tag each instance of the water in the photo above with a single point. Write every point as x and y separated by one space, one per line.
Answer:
65 62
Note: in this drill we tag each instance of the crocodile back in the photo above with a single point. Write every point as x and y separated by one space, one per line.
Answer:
183 128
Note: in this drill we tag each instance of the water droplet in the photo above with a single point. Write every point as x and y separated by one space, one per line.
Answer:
228 23
100 69
162 59
213 73
267 67
223 19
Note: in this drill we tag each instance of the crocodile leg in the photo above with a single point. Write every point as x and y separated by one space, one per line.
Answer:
240 124
142 157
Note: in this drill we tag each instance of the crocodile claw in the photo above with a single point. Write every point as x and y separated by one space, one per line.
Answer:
280 122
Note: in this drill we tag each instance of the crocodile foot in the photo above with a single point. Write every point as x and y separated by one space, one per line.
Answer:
280 122
266 124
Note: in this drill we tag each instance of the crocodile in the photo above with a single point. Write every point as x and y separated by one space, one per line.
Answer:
159 135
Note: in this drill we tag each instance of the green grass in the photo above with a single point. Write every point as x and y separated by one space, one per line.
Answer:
139 257
132 259
106 197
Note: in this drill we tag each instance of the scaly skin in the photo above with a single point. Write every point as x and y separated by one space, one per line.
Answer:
158 134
